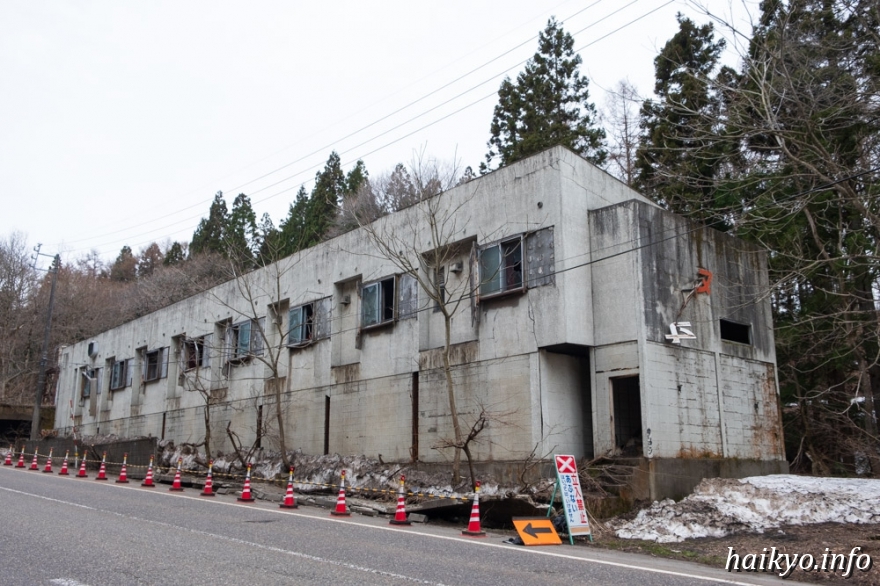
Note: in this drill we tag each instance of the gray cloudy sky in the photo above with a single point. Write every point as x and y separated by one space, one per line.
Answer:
120 120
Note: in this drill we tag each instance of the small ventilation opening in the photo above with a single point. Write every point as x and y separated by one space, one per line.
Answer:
734 332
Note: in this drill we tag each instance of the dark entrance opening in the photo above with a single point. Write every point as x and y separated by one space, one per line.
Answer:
326 424
627 415
414 448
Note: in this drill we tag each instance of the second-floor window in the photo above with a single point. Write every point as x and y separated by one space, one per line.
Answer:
301 321
501 267
377 302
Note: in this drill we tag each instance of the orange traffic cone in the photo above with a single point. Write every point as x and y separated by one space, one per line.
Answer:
341 510
82 469
246 496
400 514
209 481
474 529
176 484
8 460
123 474
34 465
20 459
64 471
48 467
289 500
148 481
102 473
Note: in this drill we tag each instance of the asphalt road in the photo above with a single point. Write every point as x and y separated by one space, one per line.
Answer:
66 531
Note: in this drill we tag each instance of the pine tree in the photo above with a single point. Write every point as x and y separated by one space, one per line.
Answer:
681 151
210 233
240 236
174 255
124 269
547 106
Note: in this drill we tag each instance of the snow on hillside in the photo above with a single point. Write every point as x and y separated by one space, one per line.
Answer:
720 507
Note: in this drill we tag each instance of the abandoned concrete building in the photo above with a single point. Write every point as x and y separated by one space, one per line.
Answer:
583 319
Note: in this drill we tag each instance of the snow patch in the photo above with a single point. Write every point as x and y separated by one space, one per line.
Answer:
720 507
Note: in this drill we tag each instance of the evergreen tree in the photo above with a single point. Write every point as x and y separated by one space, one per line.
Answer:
211 231
330 187
241 232
681 149
292 229
547 106
174 255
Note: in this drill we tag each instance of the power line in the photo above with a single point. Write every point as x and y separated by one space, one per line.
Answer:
472 88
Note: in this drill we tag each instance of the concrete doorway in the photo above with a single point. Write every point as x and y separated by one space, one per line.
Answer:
627 401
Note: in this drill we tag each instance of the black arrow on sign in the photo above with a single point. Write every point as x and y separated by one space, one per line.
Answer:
533 531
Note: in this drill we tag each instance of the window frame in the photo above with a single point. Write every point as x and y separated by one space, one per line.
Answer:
306 325
738 328
119 374
508 261
385 314
201 347
86 375
237 353
160 364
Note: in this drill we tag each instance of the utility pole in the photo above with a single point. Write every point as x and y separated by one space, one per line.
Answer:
44 355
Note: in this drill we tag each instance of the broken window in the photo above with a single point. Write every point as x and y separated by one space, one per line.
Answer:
118 375
245 339
155 364
197 352
734 332
300 325
87 376
377 301
501 267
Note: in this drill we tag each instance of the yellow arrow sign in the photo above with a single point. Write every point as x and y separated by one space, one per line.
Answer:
536 531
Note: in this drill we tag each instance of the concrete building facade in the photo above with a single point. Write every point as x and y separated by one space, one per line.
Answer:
584 320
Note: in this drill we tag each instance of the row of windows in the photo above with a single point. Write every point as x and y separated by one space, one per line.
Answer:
383 301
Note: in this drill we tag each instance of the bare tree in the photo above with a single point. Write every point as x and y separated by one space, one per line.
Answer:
622 117
425 242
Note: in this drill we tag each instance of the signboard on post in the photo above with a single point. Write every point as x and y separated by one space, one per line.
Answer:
569 486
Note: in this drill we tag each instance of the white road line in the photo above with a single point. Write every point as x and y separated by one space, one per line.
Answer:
66 582
532 551
237 541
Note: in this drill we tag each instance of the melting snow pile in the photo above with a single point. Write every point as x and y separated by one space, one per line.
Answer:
720 507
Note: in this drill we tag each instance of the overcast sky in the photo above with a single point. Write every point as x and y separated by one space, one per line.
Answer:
119 121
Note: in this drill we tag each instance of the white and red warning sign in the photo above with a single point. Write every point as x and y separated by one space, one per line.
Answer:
572 498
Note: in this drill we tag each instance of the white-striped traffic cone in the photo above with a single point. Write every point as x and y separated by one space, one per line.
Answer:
246 496
148 481
175 485
123 474
102 472
48 467
400 514
64 471
209 481
34 465
474 529
341 510
289 500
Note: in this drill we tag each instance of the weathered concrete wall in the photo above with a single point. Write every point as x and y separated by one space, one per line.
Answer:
542 361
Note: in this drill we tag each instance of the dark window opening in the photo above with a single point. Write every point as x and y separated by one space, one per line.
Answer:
414 449
734 332
153 363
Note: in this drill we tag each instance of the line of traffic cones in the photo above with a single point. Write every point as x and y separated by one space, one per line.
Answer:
102 473
474 529
246 496
34 465
400 513
48 467
123 474
148 481
289 499
64 471
341 510
175 486
209 481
